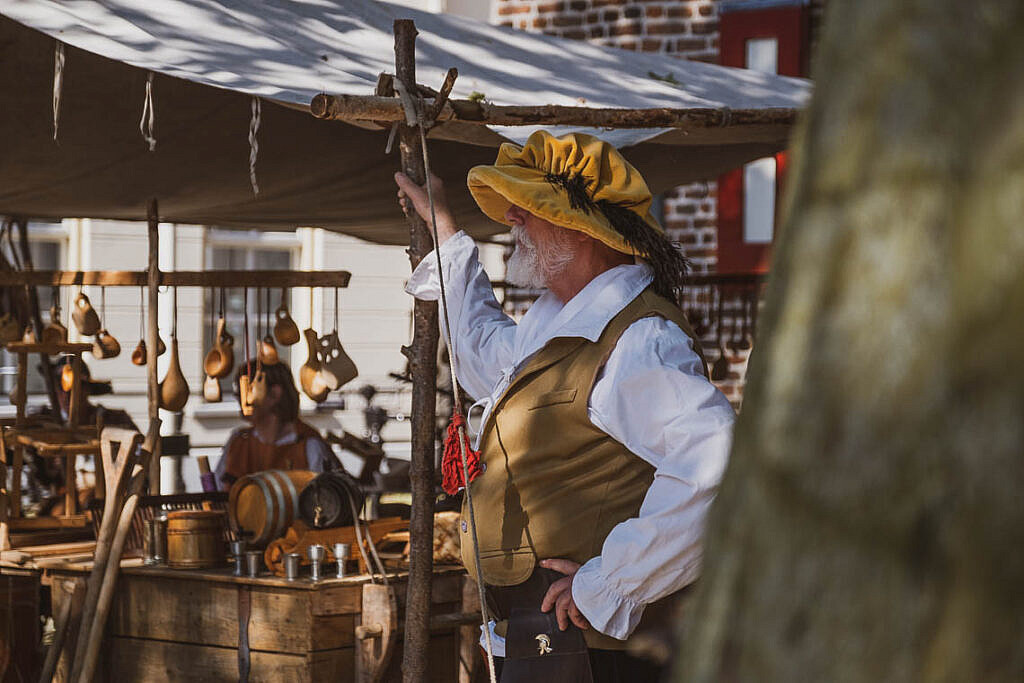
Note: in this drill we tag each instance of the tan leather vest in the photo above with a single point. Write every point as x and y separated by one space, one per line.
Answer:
555 485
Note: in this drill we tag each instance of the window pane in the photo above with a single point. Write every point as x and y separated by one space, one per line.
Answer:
759 201
763 55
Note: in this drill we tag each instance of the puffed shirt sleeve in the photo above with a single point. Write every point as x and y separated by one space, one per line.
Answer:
653 398
484 335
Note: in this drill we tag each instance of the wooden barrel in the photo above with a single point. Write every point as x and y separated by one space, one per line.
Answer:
263 505
324 503
195 539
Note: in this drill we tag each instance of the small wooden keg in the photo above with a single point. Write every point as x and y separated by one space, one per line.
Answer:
263 505
195 539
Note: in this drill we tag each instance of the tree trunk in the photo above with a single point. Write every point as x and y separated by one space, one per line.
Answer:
870 525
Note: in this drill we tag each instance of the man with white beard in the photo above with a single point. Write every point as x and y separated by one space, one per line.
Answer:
602 440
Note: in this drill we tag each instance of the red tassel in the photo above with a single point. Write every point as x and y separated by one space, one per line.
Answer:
451 462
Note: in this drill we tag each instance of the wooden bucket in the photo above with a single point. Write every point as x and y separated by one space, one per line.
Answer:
263 505
195 539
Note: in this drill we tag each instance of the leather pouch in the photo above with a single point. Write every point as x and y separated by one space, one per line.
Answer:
536 650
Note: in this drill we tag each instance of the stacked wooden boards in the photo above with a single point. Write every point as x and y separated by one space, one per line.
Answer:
183 625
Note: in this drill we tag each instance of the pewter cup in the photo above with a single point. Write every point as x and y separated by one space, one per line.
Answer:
317 553
238 555
342 551
253 562
292 561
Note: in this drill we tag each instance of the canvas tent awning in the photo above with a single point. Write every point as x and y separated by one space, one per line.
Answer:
210 58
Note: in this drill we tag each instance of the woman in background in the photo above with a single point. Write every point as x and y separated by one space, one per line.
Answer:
276 439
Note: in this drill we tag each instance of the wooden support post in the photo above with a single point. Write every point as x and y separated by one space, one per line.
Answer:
153 340
423 362
32 294
21 395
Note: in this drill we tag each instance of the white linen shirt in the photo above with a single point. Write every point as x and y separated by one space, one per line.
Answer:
651 396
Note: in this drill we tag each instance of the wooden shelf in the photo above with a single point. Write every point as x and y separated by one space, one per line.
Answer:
52 443
43 523
48 349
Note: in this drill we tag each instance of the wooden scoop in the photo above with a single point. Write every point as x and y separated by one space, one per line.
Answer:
258 390
336 367
268 352
245 395
211 390
10 328
105 346
309 374
174 389
139 354
55 332
84 316
286 332
221 358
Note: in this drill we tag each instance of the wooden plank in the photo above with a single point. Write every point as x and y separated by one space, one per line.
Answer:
180 278
135 659
337 600
38 523
224 575
79 549
61 592
207 613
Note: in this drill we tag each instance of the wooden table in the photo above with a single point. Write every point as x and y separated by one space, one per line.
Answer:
182 625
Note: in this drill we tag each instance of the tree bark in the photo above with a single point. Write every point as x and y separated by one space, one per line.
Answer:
869 526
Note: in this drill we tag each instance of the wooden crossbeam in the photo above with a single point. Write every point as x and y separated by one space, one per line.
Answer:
375 108
181 278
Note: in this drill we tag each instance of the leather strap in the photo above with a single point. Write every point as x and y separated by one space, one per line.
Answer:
244 610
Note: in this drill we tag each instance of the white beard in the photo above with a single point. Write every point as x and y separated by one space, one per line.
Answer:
534 268
523 268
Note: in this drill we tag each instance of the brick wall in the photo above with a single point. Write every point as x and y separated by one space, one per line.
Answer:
687 27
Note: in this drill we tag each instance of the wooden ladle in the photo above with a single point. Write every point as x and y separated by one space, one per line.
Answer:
286 332
55 332
220 359
211 390
105 345
312 383
268 352
245 395
84 316
336 368
174 388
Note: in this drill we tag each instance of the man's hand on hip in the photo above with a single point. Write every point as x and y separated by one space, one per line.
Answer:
413 196
559 595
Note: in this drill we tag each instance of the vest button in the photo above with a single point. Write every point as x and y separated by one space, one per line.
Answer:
483 467
464 527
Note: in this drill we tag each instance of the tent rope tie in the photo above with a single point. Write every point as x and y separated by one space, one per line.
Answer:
414 108
254 145
58 84
148 115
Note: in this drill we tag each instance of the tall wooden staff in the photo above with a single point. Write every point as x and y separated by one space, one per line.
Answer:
422 357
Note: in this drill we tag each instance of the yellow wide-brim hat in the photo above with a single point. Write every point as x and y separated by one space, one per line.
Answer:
538 177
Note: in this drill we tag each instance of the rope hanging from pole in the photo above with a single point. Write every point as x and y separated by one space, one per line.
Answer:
458 425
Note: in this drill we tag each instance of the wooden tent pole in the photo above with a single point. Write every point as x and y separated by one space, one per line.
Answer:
422 357
153 341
